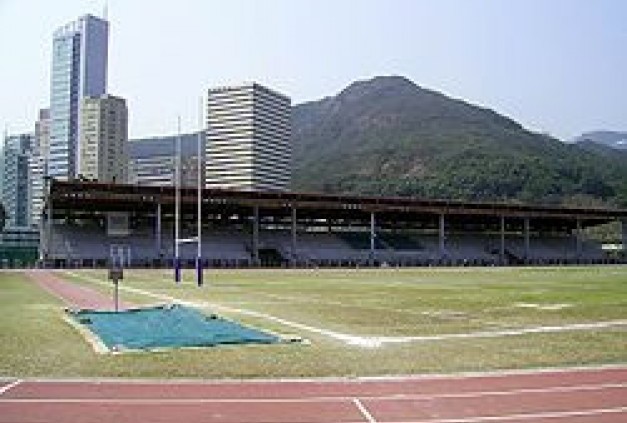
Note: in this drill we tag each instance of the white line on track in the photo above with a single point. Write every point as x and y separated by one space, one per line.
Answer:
364 411
7 388
555 371
367 341
315 399
529 416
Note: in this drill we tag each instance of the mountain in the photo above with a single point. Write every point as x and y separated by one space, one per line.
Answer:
617 140
609 152
389 136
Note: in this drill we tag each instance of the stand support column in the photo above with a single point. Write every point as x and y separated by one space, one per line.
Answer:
293 260
527 240
442 236
578 238
255 235
372 236
502 246
158 230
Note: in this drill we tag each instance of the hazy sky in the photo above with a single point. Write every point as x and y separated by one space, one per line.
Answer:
555 66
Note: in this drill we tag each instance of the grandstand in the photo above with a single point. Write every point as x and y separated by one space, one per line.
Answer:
86 221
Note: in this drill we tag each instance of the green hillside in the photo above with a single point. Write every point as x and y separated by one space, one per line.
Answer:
388 136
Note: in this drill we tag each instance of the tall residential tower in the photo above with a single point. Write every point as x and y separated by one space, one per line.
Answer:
104 139
248 139
16 179
79 69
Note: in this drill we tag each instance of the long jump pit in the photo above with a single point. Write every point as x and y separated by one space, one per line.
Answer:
162 327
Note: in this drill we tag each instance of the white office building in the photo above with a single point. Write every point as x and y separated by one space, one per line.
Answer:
248 139
104 139
42 133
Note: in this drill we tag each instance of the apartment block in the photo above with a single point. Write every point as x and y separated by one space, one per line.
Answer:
104 139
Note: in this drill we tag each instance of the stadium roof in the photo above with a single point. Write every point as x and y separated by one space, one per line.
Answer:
100 197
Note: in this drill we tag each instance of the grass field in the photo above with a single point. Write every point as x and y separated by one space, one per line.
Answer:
358 322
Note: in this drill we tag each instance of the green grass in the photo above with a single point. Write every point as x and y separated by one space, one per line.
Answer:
34 341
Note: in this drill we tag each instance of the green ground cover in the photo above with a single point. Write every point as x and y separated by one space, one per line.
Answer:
35 341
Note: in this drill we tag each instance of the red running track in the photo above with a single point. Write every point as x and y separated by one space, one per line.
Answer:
73 295
578 396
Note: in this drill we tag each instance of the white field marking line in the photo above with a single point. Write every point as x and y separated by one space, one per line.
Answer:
339 398
544 307
529 416
498 334
366 341
364 411
348 339
10 386
423 279
426 377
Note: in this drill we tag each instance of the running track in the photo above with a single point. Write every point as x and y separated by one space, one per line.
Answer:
574 396
71 294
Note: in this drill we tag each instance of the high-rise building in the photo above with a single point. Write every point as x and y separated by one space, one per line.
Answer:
42 133
38 165
104 139
153 160
16 179
79 69
36 173
248 139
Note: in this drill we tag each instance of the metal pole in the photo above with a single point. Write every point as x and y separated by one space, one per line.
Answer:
177 206
372 236
117 295
502 249
199 267
442 235
579 238
527 241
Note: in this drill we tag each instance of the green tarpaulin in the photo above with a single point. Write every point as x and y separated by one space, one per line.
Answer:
166 327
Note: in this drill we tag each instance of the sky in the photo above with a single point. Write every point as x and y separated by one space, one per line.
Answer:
555 66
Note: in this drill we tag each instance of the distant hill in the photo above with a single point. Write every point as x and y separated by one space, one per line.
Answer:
610 153
616 140
388 136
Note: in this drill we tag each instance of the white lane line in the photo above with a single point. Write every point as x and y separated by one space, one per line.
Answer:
364 411
551 371
529 416
7 388
339 398
366 341
556 371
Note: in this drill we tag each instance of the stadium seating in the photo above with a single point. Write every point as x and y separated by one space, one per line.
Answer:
89 245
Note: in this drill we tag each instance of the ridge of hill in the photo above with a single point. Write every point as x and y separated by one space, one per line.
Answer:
389 136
